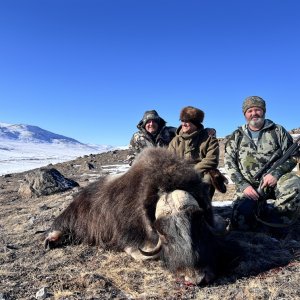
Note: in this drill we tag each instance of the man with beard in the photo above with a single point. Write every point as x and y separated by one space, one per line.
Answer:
247 150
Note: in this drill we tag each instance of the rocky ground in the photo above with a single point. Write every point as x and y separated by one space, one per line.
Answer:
269 268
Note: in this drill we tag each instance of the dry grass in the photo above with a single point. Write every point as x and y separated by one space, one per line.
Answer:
269 269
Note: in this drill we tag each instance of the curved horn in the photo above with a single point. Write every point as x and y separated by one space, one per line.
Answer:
153 251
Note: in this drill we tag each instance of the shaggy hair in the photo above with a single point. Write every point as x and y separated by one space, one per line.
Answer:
118 213
192 246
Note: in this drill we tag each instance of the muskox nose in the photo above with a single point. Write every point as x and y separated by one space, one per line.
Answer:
199 277
52 239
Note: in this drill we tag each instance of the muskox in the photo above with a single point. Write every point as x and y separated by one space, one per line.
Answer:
158 208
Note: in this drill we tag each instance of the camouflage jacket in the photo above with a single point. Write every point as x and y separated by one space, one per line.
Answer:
200 148
243 158
142 139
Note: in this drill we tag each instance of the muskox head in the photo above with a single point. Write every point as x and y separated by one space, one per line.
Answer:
187 242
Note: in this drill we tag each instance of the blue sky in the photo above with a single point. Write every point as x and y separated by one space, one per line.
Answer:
89 69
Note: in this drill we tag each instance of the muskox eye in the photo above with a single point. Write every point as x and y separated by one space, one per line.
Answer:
160 225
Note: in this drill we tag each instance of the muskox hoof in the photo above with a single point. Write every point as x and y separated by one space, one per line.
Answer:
53 239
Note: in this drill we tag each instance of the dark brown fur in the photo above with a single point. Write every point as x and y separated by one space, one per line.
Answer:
119 212
218 180
191 114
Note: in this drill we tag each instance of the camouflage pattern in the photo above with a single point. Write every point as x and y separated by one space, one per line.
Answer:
243 159
151 115
253 101
143 139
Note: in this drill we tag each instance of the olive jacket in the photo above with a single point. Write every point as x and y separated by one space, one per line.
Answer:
200 148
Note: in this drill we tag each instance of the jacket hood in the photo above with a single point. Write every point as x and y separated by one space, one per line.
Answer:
151 115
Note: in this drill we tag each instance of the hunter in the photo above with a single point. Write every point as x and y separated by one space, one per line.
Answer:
247 150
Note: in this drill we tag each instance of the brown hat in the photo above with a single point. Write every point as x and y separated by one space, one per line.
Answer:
192 114
254 101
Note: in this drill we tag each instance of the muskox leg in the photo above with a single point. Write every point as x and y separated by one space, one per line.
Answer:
53 239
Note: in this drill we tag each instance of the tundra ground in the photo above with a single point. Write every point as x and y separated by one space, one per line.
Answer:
269 269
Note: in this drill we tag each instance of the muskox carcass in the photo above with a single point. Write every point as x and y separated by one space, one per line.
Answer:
158 208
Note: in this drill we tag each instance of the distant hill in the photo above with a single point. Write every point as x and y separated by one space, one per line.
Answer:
24 147
29 133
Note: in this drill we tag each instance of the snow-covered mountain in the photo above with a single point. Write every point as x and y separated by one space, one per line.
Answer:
24 147
29 133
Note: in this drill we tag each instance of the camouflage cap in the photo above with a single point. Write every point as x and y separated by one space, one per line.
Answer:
151 115
254 101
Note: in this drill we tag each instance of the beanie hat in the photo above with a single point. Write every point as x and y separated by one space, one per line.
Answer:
151 115
254 101
192 114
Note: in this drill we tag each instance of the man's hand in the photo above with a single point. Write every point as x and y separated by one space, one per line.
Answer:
268 180
251 193
212 132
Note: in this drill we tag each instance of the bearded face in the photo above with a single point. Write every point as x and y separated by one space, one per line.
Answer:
258 122
255 117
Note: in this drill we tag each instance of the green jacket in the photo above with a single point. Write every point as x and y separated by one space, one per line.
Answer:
198 147
243 158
